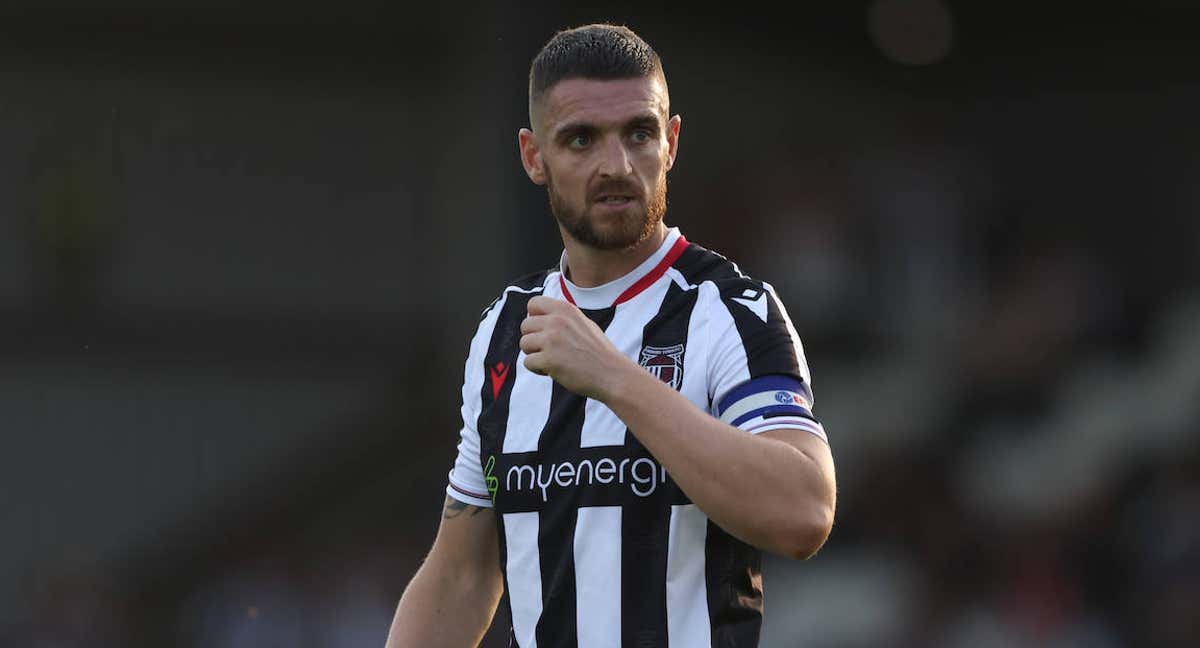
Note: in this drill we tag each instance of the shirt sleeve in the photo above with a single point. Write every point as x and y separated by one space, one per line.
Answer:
466 481
759 379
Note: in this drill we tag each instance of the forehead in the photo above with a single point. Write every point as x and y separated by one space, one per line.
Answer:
603 103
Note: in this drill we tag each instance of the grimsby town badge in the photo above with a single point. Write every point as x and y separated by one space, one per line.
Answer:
666 363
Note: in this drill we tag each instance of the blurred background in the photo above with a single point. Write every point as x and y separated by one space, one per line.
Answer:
243 250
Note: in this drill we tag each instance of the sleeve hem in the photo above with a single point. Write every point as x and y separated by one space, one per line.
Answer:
467 497
817 431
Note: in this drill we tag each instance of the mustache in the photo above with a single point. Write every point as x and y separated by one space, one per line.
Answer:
618 187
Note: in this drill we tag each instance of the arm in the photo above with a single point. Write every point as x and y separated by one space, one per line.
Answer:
786 508
452 598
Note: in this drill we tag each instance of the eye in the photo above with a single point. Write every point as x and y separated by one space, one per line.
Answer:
579 141
642 135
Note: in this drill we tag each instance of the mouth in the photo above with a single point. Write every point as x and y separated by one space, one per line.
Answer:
615 200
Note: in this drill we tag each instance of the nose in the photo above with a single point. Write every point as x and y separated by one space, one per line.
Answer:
614 160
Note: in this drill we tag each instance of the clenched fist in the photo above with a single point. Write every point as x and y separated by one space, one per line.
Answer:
561 342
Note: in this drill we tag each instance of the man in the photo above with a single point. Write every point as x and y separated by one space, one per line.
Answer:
637 422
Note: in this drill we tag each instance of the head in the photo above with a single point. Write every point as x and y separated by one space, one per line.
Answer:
601 138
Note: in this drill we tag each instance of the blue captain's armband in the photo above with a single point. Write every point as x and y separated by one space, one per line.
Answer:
768 403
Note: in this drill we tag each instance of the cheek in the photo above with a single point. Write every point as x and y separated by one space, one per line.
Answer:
653 163
568 181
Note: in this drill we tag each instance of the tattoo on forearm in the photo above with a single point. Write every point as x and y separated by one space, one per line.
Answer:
455 508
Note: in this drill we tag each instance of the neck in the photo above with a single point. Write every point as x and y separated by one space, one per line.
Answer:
588 267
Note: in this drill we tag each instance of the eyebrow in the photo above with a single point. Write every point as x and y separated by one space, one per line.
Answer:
573 128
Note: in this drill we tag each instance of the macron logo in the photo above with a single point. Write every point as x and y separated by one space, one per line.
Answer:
498 374
755 300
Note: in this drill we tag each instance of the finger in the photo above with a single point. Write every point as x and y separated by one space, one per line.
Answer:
533 323
536 363
532 342
542 305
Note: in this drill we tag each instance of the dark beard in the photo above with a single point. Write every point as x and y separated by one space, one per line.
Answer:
636 226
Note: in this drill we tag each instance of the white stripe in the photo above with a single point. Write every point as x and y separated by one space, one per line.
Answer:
535 289
795 424
598 576
524 575
529 402
466 472
757 401
528 408
754 424
601 427
679 279
697 355
687 595
728 366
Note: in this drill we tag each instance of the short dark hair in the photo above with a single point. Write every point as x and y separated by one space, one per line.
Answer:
597 51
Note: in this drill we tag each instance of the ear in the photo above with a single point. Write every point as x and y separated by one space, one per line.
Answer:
531 157
673 140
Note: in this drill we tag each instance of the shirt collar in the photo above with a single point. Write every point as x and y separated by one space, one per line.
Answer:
624 288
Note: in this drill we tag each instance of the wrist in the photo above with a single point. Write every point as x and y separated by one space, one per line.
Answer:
620 381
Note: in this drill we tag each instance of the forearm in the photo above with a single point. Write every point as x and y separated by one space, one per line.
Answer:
441 608
767 492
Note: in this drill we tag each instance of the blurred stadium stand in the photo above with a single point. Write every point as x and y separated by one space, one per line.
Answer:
242 250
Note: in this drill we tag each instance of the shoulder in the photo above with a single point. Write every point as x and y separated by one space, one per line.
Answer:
527 284
753 334
699 265
504 312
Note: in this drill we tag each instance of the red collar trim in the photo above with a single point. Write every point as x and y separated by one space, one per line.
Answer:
643 283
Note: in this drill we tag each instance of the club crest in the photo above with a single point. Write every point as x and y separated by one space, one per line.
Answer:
665 363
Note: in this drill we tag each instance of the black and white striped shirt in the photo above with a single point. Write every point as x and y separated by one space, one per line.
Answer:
598 546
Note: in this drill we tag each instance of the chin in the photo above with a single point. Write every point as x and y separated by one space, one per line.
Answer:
620 236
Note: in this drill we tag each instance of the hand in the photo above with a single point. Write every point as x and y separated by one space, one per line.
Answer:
561 342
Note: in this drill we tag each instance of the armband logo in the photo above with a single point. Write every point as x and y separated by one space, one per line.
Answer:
790 398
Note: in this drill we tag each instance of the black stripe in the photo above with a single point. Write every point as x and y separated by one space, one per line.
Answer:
733 575
525 283
535 279
493 417
698 264
504 610
564 425
556 530
645 522
556 553
502 351
768 345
